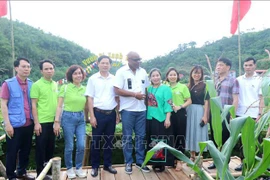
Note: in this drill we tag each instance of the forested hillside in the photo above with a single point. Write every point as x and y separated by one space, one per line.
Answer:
36 45
187 55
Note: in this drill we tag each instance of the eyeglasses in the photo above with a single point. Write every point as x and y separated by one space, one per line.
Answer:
137 59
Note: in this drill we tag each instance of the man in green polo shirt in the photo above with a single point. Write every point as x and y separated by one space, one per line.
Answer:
44 102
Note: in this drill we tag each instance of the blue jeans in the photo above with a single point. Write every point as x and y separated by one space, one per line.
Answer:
133 120
73 124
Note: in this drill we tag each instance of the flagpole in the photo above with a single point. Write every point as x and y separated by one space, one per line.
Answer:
239 44
12 39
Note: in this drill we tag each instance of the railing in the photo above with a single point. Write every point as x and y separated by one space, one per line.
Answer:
2 137
2 167
55 163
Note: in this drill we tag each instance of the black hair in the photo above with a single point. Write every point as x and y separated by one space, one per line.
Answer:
225 61
71 70
153 70
16 63
250 59
104 56
169 70
195 69
45 61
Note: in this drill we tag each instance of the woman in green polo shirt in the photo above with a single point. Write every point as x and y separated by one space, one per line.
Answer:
158 125
181 99
73 118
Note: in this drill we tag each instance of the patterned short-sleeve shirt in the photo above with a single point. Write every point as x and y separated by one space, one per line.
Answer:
226 88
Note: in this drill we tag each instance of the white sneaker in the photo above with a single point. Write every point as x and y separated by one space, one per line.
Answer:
80 173
70 173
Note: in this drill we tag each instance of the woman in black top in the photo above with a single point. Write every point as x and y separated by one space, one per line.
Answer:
197 112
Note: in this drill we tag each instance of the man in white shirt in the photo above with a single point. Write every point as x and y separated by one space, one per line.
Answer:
250 101
103 109
130 83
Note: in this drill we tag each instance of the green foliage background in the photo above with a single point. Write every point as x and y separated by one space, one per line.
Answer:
36 45
186 55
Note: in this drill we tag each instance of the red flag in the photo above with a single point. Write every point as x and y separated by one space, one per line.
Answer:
244 7
3 7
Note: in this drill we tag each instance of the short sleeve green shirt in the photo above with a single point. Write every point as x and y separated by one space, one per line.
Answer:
46 93
159 102
74 99
180 93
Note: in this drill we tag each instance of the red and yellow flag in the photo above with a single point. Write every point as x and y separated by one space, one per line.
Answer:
3 7
244 8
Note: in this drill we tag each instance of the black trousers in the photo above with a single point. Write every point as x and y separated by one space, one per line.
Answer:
45 144
225 131
105 130
21 143
156 132
179 126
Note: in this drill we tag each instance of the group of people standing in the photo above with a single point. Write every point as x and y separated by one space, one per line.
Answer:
175 113
243 92
29 107
155 110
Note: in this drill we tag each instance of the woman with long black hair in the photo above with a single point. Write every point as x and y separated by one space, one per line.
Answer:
180 100
197 112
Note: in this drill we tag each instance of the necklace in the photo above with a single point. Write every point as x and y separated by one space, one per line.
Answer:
195 85
156 89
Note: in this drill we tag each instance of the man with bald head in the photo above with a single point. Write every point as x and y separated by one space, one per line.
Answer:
130 83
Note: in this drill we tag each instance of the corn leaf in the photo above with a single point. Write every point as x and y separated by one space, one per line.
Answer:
210 87
266 88
177 154
248 141
216 108
219 159
264 163
236 126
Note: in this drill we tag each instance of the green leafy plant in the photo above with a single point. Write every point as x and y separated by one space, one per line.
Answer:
241 127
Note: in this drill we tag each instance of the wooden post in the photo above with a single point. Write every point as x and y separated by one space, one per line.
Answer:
3 137
2 167
12 39
3 170
45 170
266 50
239 40
56 168
209 65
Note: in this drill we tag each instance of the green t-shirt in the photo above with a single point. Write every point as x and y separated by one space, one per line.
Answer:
180 93
159 102
74 99
46 93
